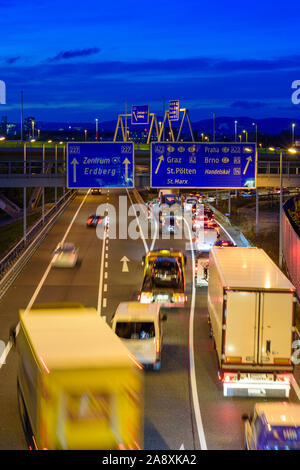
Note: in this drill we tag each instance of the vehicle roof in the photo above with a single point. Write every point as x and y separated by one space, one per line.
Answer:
164 259
249 267
134 310
279 414
73 338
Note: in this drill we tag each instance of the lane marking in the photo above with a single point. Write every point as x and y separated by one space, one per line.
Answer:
106 255
138 222
227 233
104 302
105 275
296 387
106 264
105 288
195 397
99 304
40 285
106 247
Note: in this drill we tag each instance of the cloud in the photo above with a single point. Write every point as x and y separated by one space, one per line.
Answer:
66 55
248 104
12 60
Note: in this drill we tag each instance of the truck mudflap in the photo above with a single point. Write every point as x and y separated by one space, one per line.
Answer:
165 299
256 385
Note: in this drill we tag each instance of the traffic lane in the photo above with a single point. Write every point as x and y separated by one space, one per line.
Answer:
120 285
18 297
223 426
79 284
169 403
22 289
168 417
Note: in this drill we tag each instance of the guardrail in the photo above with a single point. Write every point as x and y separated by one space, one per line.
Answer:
14 260
32 167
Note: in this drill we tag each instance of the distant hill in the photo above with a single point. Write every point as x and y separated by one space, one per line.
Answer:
224 125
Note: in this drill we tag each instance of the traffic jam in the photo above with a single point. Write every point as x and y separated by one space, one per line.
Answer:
245 291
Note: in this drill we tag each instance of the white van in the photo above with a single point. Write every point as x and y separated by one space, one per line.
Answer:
140 328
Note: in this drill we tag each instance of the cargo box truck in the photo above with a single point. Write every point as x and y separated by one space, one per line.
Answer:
251 306
79 387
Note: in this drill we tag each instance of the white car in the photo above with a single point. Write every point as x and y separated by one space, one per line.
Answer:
191 203
273 426
140 328
65 255
203 240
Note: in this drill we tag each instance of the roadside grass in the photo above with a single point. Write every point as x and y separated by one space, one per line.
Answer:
11 233
243 216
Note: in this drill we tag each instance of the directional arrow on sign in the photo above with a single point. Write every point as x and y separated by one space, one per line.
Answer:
124 260
249 159
126 162
161 159
74 162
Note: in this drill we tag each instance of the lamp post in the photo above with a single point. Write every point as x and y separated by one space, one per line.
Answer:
85 133
235 131
293 134
96 129
214 126
240 137
254 124
246 134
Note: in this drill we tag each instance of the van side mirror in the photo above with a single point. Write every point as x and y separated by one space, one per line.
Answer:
245 417
13 336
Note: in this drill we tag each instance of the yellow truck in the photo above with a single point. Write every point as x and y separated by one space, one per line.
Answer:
79 387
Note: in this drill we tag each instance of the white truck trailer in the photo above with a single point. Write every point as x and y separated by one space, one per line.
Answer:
251 306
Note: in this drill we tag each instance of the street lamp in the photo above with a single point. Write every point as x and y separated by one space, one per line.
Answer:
214 126
32 125
246 134
235 131
240 137
202 135
96 128
291 150
254 124
293 133
85 133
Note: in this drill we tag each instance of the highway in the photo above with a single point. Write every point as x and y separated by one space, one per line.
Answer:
184 404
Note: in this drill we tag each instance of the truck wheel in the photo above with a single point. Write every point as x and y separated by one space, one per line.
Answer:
157 365
25 419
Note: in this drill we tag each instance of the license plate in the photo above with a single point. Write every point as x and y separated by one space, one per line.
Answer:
162 297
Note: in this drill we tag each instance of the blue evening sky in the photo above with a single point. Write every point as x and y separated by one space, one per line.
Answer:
79 60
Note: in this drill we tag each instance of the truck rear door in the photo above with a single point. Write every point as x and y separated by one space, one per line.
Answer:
241 327
275 336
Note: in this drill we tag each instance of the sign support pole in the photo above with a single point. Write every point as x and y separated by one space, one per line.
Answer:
120 122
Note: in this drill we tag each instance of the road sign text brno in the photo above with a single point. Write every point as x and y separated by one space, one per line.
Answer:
202 165
100 165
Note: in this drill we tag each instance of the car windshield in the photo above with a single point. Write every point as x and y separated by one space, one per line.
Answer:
135 330
166 266
68 247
